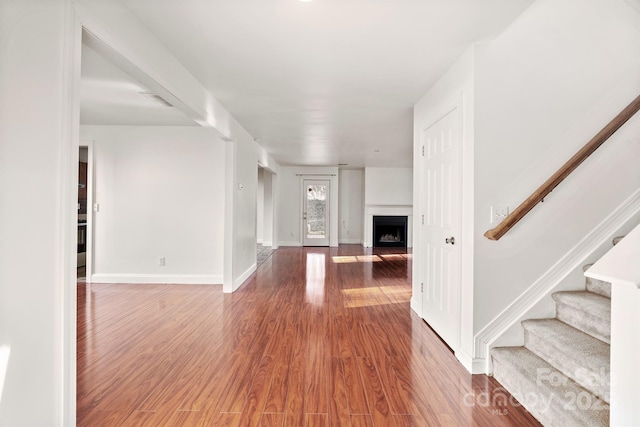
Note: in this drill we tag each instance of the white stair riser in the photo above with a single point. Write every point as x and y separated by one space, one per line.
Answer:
598 327
599 287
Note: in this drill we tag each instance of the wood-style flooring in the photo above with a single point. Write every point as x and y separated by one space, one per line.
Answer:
317 337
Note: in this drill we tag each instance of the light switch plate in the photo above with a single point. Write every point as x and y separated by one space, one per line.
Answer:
498 213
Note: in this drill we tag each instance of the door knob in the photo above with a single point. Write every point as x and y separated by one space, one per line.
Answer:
451 240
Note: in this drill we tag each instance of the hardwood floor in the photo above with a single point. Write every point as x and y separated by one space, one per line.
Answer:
317 337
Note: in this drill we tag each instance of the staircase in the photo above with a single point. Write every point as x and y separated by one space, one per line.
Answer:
561 374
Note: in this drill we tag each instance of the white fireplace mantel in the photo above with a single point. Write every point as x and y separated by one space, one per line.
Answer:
386 210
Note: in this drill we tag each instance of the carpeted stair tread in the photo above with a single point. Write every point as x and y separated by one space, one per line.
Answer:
586 311
550 396
577 355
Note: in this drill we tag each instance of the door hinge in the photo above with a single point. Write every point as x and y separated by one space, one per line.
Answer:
421 287
422 219
423 150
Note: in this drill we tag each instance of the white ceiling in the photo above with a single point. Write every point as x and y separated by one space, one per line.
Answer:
327 81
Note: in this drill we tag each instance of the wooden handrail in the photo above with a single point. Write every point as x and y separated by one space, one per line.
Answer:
537 196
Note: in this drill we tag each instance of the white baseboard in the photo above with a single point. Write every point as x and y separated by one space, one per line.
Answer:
290 243
350 241
415 306
267 243
465 360
481 366
244 276
181 279
259 241
573 259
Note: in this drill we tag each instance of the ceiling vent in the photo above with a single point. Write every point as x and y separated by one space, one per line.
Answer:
156 98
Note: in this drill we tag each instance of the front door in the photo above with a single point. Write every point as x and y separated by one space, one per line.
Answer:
315 212
441 185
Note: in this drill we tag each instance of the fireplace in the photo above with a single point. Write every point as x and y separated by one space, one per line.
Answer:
390 231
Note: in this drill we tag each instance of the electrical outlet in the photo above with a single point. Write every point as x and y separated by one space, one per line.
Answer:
498 213
161 261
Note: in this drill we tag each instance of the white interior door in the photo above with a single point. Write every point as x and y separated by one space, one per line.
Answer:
441 226
315 212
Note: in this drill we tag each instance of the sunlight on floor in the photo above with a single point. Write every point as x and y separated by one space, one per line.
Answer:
365 297
395 257
346 259
358 258
315 279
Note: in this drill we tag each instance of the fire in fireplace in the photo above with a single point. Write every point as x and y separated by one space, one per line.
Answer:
390 231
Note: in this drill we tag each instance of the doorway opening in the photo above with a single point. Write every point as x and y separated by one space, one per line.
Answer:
83 192
264 216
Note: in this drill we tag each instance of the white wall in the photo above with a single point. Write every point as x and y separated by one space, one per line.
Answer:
38 161
160 190
39 119
351 206
290 202
244 216
243 155
530 99
388 186
148 60
543 88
